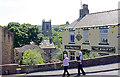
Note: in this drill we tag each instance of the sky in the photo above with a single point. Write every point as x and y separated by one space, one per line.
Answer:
58 11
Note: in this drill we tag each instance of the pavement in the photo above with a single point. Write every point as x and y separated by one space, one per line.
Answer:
88 70
104 70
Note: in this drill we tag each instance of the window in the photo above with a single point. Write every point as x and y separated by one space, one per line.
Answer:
14 61
47 27
104 36
86 36
22 54
17 54
72 55
72 37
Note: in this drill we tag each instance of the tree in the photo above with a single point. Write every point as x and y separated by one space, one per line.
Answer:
59 55
24 33
57 42
31 57
57 35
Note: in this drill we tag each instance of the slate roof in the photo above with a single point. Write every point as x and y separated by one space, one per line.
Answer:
96 19
26 47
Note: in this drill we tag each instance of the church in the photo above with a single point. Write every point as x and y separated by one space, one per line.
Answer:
47 45
96 32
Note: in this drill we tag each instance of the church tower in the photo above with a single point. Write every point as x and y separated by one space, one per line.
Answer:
46 28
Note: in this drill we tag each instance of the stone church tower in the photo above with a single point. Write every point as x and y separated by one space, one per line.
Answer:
46 28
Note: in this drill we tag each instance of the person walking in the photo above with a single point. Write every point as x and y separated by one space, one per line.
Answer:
80 63
65 64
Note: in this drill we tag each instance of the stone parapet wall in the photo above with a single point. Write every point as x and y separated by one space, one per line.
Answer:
73 64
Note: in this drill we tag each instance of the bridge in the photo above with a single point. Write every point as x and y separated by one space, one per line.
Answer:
111 70
100 67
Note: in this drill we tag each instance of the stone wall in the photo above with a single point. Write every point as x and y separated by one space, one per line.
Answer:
0 46
0 69
6 46
73 64
119 39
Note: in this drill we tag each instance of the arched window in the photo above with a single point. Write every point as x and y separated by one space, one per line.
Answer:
47 27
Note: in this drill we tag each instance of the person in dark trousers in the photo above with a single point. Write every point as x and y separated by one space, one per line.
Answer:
65 64
80 63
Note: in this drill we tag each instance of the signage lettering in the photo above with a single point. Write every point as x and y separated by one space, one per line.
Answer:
73 47
107 49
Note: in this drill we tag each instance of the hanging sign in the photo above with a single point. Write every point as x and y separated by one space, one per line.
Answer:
73 47
112 31
78 37
89 34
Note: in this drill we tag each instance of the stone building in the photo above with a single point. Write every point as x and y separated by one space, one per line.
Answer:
46 28
48 48
97 32
18 52
6 46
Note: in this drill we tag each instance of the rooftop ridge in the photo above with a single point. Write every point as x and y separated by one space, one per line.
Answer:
104 11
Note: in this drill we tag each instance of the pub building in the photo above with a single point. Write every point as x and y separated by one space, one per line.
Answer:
97 32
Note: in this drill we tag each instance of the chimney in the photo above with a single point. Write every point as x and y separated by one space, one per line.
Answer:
84 11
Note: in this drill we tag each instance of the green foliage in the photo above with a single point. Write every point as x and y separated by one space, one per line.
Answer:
31 57
24 33
59 28
46 38
57 41
57 35
85 56
59 55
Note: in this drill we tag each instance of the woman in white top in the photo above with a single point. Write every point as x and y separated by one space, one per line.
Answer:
65 64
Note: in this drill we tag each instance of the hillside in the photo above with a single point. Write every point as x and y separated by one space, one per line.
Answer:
59 28
54 26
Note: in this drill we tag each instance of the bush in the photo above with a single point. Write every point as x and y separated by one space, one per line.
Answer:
31 57
58 56
85 56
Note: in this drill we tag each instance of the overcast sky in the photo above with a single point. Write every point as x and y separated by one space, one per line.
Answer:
59 11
